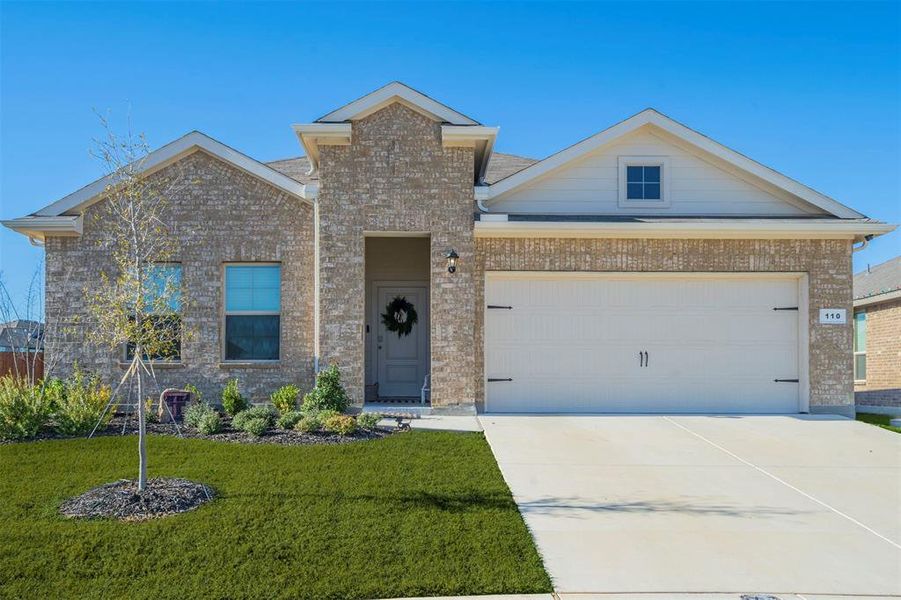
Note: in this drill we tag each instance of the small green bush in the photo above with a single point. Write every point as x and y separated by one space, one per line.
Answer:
232 400
340 424
289 419
308 424
209 423
196 396
239 421
256 427
368 420
284 399
328 393
24 408
322 415
83 401
196 412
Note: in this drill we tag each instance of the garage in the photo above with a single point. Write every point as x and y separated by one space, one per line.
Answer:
645 342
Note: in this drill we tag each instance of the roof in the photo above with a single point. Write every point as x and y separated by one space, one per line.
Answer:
63 216
701 143
883 279
499 166
396 92
21 334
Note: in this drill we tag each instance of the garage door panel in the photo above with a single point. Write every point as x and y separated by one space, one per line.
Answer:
714 344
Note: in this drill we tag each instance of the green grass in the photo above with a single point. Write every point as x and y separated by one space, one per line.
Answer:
877 419
421 513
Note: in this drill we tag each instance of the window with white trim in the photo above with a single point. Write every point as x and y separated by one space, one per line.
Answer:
644 181
860 346
252 311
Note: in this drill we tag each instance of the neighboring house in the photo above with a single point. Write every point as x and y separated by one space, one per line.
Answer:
21 335
877 337
644 269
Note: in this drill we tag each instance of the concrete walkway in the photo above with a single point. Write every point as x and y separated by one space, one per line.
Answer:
678 506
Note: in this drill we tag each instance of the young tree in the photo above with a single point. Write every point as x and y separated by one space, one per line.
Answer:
138 301
26 340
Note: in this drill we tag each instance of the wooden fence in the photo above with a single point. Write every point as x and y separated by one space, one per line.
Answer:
13 362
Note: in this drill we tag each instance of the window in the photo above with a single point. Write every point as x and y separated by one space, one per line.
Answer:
252 311
643 181
860 346
163 304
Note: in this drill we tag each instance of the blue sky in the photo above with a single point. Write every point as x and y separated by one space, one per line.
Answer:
810 89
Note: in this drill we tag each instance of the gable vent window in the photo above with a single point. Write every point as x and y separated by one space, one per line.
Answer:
643 181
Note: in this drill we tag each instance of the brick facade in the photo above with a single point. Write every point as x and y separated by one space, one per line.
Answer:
827 263
395 176
219 215
883 385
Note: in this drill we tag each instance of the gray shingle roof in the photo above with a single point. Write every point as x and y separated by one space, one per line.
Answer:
500 166
881 279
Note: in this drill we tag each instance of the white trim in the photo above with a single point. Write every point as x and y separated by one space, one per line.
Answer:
167 155
856 353
803 309
714 229
650 117
478 137
313 135
883 297
397 92
37 228
643 161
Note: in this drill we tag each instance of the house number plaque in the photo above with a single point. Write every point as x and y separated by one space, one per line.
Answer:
833 316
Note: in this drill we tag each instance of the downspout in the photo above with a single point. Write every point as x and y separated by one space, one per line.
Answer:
863 244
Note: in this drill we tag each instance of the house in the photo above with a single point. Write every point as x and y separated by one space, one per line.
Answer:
877 338
647 268
21 335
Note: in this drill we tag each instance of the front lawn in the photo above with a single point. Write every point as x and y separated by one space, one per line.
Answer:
877 419
420 513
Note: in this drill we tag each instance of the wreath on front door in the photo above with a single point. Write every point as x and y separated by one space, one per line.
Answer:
399 316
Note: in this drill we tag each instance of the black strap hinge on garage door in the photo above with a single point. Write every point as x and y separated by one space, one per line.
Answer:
786 380
499 306
493 379
785 308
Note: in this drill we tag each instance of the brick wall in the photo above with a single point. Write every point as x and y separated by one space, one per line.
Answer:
395 176
883 385
827 262
219 214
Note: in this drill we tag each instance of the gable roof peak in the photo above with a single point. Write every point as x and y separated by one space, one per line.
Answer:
396 91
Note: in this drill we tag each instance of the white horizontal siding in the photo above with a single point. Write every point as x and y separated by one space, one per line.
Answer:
697 187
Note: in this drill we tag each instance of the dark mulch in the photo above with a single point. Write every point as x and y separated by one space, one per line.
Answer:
121 500
128 424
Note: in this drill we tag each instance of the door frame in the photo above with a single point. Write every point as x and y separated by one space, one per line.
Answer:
803 309
375 318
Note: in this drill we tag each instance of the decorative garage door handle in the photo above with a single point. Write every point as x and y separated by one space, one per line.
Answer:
643 358
493 379
500 306
785 380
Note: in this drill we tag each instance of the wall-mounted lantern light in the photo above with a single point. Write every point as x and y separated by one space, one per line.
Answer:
451 256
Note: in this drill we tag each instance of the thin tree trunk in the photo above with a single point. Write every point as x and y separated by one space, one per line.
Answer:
142 429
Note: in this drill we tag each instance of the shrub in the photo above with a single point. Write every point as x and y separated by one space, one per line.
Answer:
308 424
209 423
256 427
266 413
83 401
368 420
24 408
284 399
196 396
196 412
289 419
322 415
232 400
328 393
340 424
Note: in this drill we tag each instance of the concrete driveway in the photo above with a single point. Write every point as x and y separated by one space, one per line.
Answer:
707 504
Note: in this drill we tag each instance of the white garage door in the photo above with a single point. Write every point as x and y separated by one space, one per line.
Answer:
592 342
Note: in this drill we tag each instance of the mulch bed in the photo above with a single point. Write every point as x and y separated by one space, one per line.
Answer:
121 500
128 424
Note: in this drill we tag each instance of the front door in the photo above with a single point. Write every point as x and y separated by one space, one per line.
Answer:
403 360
